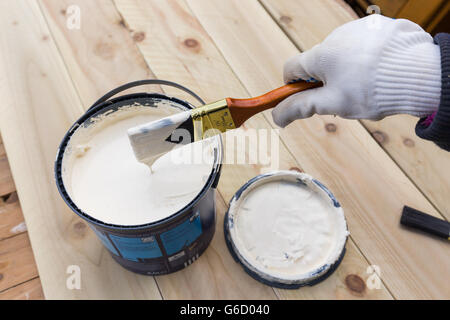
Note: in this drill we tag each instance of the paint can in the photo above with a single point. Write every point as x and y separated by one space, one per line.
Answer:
167 245
252 266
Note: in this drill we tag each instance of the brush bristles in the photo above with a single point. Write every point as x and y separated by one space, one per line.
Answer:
150 140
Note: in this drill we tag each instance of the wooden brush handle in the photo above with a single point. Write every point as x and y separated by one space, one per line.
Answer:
243 109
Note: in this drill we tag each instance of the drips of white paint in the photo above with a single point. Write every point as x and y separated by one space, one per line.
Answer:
105 180
287 230
21 227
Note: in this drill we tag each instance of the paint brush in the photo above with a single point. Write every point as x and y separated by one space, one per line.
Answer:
152 140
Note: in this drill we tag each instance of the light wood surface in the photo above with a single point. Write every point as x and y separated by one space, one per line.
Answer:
96 61
218 49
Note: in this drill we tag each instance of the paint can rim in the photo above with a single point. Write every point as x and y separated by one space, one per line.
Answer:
105 105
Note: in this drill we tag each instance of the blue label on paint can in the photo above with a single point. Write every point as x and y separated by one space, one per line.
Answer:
106 242
182 235
137 249
169 243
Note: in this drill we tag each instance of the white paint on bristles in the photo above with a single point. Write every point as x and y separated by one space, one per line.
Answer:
148 140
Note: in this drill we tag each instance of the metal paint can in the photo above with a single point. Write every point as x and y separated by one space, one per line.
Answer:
167 245
315 276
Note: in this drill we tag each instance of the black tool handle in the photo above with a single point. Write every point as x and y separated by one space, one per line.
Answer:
422 221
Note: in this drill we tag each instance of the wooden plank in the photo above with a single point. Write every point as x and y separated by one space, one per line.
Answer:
420 11
338 152
421 160
390 8
16 261
30 290
351 283
97 61
2 148
296 18
6 180
189 53
11 217
214 275
32 127
438 18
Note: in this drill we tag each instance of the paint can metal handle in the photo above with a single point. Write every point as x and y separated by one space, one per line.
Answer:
129 85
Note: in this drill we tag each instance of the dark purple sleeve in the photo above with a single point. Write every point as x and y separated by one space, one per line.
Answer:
437 126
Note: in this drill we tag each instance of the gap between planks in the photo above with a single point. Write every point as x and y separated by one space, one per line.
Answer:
12 222
28 290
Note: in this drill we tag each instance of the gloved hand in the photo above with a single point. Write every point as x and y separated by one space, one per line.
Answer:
371 68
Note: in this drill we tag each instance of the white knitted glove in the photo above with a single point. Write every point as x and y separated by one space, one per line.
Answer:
371 68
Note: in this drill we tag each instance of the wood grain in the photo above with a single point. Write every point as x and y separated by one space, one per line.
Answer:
420 11
421 160
30 290
32 127
99 56
438 18
11 217
6 180
308 22
340 153
389 8
16 261
202 68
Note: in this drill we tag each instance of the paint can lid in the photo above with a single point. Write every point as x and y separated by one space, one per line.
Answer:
286 229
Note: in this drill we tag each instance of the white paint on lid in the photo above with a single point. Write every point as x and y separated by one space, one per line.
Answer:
284 226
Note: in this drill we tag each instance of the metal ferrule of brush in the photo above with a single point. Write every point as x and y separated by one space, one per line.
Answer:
211 119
